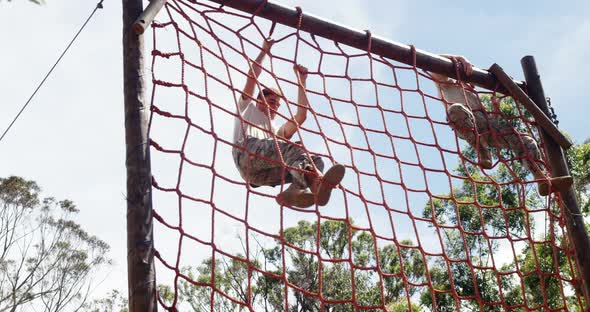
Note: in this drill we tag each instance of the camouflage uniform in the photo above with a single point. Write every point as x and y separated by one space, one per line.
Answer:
254 144
483 130
260 171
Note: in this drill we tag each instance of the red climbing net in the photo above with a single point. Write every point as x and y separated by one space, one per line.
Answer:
415 224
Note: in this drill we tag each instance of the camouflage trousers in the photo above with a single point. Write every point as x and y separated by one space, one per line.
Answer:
257 171
493 131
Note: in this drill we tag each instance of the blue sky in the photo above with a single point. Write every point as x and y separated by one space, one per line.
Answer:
71 138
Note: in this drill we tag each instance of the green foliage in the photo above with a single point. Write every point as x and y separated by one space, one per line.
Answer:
461 211
46 257
403 306
413 268
113 302
578 158
478 206
542 275
339 245
327 260
231 277
493 204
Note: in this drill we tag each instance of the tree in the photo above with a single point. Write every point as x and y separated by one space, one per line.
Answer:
114 301
347 255
231 278
341 255
578 159
48 261
480 209
327 259
463 220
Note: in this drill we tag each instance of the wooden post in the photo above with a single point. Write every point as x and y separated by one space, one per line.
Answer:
140 251
573 216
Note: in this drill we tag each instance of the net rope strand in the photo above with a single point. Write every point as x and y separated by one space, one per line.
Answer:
219 241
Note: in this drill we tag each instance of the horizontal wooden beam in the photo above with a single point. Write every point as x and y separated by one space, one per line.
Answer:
147 16
359 39
540 117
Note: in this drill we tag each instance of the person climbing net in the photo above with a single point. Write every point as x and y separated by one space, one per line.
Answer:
468 117
262 153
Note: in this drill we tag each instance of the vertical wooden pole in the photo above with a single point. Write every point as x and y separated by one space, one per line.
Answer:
573 216
140 251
